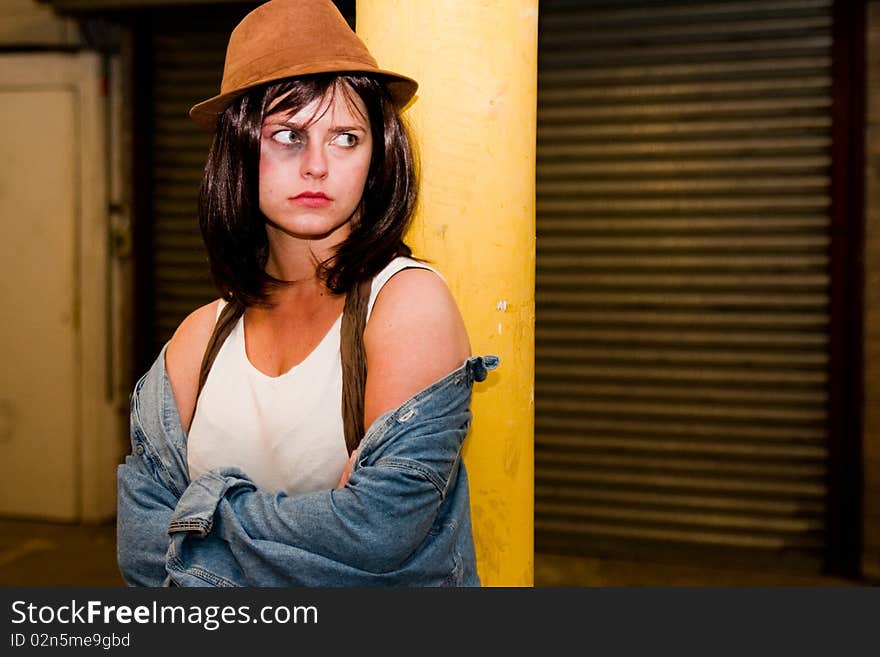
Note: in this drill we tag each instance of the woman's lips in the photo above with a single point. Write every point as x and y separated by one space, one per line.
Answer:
311 199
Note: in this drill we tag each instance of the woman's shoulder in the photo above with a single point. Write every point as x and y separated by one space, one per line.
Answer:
194 331
412 291
415 336
399 266
183 357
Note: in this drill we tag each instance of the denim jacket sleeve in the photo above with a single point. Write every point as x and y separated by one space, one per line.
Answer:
150 481
144 508
403 518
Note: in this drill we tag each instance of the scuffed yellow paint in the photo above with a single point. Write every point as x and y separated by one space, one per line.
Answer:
474 120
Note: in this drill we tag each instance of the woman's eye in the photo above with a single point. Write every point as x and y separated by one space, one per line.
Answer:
345 139
287 137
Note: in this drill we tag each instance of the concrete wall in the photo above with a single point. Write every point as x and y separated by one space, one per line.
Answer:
30 23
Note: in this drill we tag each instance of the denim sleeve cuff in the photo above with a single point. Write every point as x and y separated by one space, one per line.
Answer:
195 509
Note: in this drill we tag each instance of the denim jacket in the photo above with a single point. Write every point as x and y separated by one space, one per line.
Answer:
403 518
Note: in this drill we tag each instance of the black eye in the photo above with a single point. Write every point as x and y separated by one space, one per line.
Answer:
287 137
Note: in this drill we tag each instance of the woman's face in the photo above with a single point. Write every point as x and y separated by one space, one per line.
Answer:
313 167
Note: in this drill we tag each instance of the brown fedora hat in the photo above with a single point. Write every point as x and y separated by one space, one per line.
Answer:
287 38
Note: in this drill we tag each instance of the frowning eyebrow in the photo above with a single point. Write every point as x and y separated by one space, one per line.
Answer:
302 126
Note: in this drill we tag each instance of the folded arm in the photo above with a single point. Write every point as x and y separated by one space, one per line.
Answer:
374 523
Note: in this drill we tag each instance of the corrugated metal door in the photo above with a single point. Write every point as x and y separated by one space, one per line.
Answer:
682 278
188 50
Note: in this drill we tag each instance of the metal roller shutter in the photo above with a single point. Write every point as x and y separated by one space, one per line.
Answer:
188 63
682 277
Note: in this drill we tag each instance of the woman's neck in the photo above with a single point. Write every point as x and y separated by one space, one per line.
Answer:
296 259
296 262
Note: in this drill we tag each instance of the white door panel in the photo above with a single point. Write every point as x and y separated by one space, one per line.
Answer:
37 287
60 429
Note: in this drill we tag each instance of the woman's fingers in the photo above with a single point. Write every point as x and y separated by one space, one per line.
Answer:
346 472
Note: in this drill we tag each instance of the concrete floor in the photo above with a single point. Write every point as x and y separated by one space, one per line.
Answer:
54 554
556 570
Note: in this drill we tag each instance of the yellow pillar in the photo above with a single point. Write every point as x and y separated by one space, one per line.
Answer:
474 121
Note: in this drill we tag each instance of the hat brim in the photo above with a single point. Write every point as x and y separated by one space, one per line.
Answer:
206 113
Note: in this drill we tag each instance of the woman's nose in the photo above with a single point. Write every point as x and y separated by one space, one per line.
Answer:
314 160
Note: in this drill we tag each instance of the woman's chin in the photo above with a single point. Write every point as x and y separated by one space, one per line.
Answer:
309 230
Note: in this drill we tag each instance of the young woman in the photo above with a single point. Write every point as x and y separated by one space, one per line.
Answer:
325 324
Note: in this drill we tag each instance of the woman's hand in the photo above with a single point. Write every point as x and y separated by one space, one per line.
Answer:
346 472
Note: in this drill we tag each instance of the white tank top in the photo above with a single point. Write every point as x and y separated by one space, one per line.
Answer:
285 432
